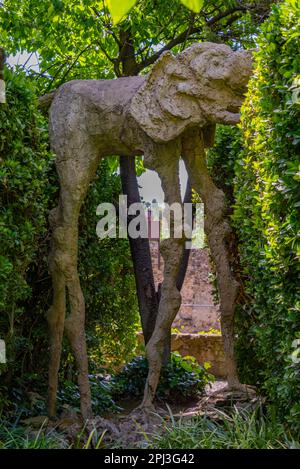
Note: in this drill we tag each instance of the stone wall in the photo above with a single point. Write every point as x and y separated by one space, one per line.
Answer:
197 312
204 347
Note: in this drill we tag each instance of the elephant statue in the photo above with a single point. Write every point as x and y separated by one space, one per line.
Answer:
167 114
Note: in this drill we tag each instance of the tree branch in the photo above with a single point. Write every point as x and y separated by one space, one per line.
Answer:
181 38
174 42
224 14
71 66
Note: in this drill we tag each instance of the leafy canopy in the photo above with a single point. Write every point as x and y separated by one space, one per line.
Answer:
77 39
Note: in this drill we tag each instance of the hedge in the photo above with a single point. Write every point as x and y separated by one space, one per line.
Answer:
266 215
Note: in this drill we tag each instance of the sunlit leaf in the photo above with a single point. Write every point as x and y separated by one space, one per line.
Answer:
194 5
118 9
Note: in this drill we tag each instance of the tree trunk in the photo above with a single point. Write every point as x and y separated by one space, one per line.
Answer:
181 274
140 253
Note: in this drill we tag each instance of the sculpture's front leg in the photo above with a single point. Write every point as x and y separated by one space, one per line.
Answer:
165 161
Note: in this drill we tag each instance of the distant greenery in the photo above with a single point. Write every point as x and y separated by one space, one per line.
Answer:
182 379
238 430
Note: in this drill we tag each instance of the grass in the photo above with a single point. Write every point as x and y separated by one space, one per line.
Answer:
238 430
18 438
234 430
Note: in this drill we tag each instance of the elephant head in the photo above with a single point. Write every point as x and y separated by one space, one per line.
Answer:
202 86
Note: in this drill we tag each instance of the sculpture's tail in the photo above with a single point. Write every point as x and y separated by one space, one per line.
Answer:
46 100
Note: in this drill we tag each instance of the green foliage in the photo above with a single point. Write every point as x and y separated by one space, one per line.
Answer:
257 166
24 197
119 9
267 215
238 430
102 401
194 5
106 275
181 380
221 158
19 438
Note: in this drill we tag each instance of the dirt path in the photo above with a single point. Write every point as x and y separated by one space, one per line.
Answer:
134 429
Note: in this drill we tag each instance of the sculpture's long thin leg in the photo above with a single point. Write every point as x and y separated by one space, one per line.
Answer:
76 167
166 164
75 321
55 318
218 231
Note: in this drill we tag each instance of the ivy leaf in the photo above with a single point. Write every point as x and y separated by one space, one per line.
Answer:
194 5
119 9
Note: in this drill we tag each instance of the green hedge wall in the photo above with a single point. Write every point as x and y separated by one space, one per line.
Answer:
267 217
24 198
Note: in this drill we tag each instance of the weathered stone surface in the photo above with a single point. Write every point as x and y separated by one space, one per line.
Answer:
204 84
197 311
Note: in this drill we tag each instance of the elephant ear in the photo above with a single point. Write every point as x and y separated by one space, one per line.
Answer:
166 103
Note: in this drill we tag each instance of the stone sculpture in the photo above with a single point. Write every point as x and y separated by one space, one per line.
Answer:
167 114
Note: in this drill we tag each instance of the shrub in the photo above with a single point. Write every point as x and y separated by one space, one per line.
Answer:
102 401
260 161
181 379
24 197
267 215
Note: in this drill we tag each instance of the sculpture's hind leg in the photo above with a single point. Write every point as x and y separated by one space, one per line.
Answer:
218 231
166 163
76 167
